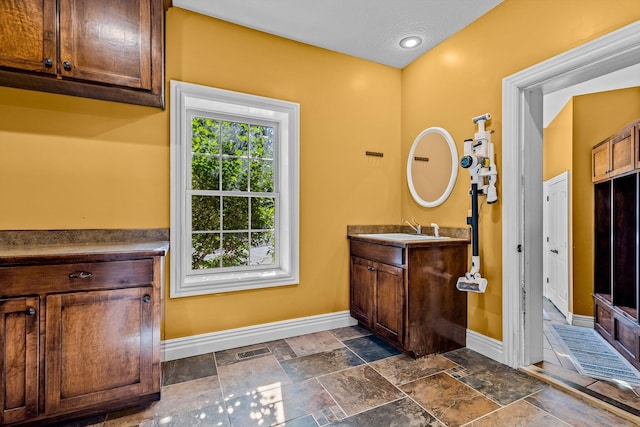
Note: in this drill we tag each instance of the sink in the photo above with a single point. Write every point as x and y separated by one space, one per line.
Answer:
403 237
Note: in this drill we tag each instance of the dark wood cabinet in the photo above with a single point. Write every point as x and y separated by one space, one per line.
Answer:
106 50
19 365
406 293
616 248
84 338
114 330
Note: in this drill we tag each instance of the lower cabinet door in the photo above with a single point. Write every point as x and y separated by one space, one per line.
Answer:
362 291
389 305
19 334
98 347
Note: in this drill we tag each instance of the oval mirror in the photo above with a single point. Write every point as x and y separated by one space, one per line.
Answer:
432 167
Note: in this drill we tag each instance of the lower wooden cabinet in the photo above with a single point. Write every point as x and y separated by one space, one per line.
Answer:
19 327
378 298
87 342
618 327
407 294
105 336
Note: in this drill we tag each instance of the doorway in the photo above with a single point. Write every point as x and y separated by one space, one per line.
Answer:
556 242
522 242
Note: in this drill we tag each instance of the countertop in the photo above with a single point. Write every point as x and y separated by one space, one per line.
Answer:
57 246
457 236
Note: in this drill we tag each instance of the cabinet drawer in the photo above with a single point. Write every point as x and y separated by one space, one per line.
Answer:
381 253
74 277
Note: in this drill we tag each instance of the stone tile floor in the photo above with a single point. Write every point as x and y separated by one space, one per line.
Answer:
346 377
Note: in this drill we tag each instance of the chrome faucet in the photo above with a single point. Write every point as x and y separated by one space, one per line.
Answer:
415 226
436 229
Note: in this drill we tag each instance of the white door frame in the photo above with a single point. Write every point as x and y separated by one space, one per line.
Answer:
522 95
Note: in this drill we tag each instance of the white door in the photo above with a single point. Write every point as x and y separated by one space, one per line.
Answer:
556 258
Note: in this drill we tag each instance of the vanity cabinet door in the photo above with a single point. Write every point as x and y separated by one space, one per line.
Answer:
99 347
19 320
389 302
362 291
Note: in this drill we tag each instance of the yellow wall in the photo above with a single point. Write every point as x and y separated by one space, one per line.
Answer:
68 162
462 78
595 117
557 143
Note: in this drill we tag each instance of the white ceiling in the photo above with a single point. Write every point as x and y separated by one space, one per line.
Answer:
368 29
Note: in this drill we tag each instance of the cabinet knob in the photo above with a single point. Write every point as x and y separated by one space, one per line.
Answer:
66 65
81 275
48 62
370 268
146 298
30 311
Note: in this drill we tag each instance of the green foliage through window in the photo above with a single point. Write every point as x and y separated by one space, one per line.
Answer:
233 199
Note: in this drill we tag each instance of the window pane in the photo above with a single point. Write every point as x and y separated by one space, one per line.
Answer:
205 172
262 176
263 213
262 248
235 213
235 138
234 174
261 141
235 247
205 134
205 213
205 252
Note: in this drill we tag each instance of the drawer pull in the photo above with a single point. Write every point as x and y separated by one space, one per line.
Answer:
30 311
80 275
146 298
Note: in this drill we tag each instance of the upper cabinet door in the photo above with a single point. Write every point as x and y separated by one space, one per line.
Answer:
28 35
106 41
601 161
622 152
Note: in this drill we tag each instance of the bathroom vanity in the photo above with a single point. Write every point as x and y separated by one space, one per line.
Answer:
404 289
79 324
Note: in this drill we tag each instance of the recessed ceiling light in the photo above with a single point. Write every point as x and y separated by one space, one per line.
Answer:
410 42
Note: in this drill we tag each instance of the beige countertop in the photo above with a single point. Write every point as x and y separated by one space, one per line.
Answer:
54 246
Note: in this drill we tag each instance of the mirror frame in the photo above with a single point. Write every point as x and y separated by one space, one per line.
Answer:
454 167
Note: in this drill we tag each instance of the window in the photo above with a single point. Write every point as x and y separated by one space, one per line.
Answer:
234 191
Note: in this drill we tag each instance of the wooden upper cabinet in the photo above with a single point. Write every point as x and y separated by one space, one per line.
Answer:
28 35
616 155
623 152
111 50
106 42
600 161
636 136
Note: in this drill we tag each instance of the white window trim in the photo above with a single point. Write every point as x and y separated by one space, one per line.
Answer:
186 96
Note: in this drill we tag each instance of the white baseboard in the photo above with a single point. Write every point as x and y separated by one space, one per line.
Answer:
485 345
195 345
579 320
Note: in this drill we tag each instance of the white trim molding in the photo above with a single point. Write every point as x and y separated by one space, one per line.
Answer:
195 345
582 321
485 345
188 99
522 95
